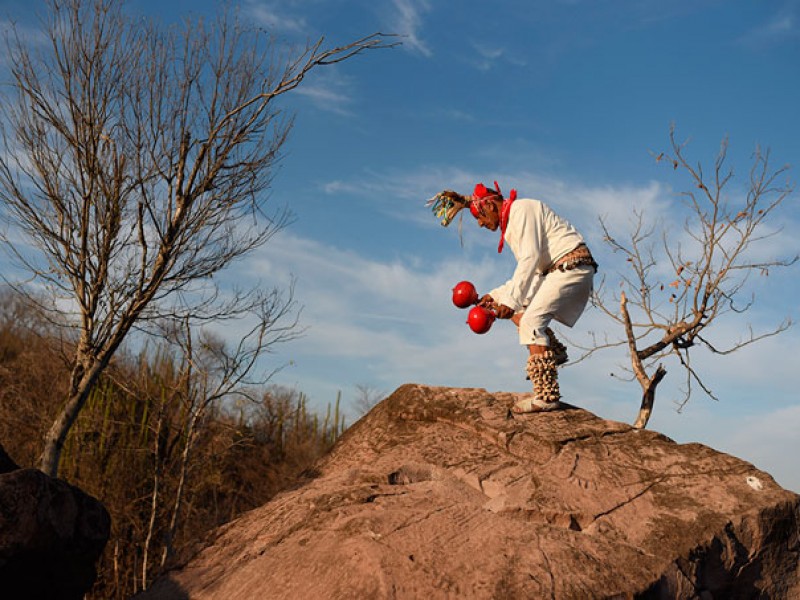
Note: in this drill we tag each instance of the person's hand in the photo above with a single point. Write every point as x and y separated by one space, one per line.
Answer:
487 301
504 312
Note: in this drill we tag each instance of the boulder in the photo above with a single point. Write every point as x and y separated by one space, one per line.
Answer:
444 493
51 536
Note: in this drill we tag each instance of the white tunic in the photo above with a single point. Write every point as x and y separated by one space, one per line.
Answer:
538 237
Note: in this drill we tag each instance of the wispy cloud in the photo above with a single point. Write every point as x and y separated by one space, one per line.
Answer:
454 114
407 20
274 17
403 298
581 203
404 186
776 30
326 98
486 56
329 91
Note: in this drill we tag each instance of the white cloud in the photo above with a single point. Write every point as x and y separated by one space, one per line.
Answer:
397 313
580 204
339 187
329 93
272 16
777 29
455 114
322 94
400 189
407 21
487 56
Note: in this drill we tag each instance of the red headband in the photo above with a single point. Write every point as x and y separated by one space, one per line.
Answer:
481 195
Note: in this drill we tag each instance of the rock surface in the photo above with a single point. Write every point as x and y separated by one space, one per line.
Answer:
51 535
442 493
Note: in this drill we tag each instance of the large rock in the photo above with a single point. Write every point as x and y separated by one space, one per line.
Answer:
442 493
51 535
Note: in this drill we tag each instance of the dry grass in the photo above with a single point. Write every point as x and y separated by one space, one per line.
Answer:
131 439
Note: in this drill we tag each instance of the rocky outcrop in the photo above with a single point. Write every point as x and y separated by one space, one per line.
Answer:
443 493
51 535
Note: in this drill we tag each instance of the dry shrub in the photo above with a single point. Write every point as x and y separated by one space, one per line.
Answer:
131 439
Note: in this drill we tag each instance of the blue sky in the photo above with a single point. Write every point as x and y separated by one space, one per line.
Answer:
562 100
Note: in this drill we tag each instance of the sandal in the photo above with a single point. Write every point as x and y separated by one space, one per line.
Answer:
532 404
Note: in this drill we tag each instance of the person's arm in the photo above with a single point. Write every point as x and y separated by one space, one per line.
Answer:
524 239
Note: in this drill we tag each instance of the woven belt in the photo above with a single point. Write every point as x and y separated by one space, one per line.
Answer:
577 258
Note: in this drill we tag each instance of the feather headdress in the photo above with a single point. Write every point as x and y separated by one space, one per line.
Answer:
446 205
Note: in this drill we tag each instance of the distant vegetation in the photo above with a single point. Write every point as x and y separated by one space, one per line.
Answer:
167 467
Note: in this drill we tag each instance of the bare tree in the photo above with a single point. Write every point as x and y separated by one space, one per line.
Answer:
677 286
366 398
136 165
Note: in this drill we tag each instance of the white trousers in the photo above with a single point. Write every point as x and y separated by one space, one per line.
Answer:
561 296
